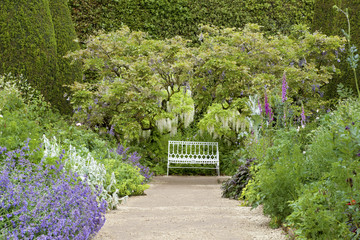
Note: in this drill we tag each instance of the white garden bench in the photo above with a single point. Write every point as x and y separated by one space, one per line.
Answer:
183 152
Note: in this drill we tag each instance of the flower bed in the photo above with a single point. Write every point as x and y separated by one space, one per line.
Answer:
45 201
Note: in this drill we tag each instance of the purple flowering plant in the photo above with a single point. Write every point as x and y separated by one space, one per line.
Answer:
45 201
284 88
134 160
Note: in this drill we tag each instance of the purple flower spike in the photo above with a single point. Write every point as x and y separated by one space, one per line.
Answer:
303 118
284 88
267 106
268 110
260 108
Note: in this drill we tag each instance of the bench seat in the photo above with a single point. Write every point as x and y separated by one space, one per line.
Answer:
186 152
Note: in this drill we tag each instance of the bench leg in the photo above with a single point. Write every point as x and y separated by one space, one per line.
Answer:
167 169
218 170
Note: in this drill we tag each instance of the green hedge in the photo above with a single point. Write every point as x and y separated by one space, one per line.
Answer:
167 18
34 37
329 21
27 42
65 35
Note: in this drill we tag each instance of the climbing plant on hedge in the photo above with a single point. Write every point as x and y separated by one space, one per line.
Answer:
65 35
27 42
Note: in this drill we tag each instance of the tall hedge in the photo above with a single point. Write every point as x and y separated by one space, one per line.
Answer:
167 18
34 37
329 21
65 35
27 42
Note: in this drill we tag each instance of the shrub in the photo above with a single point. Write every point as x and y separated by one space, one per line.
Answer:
45 201
133 159
278 177
129 181
332 159
234 186
87 168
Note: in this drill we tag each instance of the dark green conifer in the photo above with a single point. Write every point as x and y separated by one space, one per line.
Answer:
27 42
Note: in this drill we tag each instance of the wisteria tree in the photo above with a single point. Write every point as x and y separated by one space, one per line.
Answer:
233 65
138 82
142 84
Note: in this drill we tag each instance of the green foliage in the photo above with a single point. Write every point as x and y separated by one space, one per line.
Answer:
143 89
168 18
28 44
311 184
234 186
332 22
65 35
34 37
320 213
129 181
243 63
278 177
20 109
140 81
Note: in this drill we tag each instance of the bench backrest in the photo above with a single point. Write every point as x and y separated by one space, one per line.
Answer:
193 152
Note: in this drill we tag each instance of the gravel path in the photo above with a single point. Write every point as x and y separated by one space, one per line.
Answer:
182 207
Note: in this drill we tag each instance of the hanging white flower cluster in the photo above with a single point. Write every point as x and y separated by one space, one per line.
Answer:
182 108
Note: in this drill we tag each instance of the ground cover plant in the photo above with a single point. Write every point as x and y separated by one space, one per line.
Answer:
45 201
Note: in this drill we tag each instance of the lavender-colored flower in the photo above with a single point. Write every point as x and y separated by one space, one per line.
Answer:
48 204
201 37
260 107
111 132
347 127
358 154
284 88
134 160
267 106
313 88
302 62
268 110
303 118
96 100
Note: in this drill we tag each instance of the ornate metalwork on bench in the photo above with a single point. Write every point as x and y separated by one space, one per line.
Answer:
184 152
